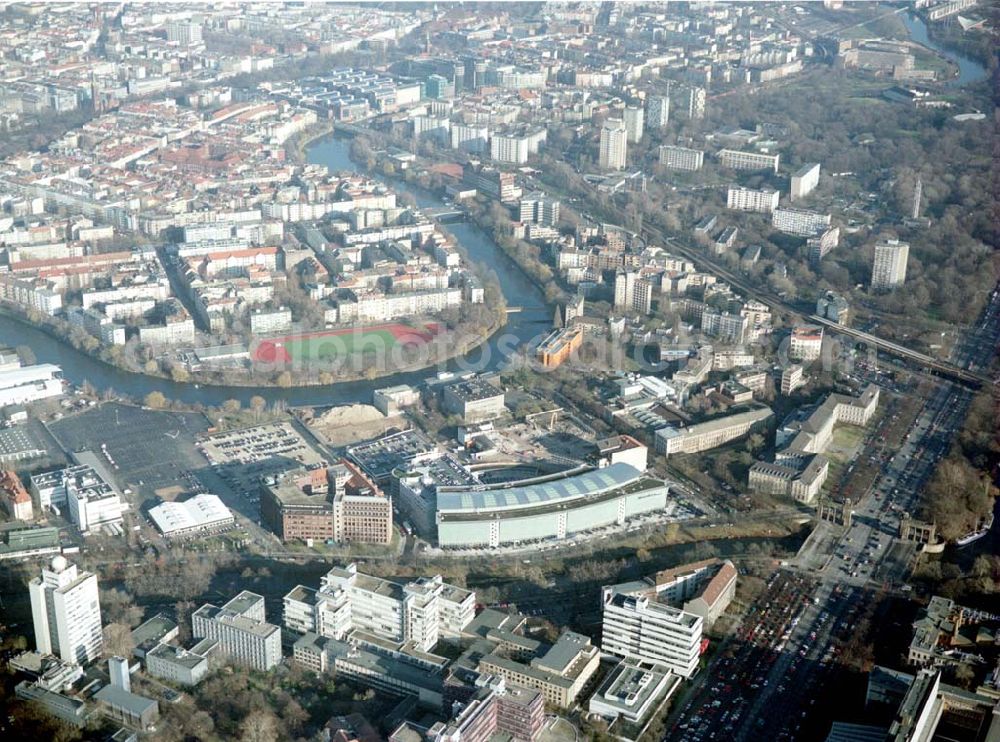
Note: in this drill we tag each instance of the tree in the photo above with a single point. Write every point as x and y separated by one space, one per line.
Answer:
231 406
260 725
257 405
118 640
155 401
27 355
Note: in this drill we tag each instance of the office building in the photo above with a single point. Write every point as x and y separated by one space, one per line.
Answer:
804 181
243 634
632 690
339 504
650 630
799 222
800 477
66 613
537 208
806 343
614 145
739 160
559 672
634 123
681 158
710 434
186 667
125 707
559 346
889 264
491 182
747 199
419 611
658 111
474 400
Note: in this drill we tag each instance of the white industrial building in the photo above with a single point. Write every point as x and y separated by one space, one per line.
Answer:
201 513
30 384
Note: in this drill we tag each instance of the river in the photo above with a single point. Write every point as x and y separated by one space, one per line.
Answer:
969 70
334 152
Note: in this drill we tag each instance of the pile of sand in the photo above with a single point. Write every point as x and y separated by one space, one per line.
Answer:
347 424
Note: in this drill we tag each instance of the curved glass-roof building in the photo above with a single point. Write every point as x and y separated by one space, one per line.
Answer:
496 516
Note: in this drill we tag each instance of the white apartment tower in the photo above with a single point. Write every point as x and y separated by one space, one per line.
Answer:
634 123
804 181
696 103
66 612
614 145
889 265
658 111
747 199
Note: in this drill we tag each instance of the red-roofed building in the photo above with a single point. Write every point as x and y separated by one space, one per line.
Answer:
15 497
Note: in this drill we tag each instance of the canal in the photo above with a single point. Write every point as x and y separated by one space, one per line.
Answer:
334 152
969 70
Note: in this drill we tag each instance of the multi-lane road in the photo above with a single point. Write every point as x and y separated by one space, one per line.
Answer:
789 663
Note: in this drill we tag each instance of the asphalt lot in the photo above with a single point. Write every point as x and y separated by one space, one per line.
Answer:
147 450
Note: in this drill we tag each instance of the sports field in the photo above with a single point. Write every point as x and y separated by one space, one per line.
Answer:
329 345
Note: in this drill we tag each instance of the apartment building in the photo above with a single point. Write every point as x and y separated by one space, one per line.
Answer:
800 222
241 630
834 307
792 378
889 264
764 200
66 613
658 111
537 208
706 435
515 147
735 159
651 630
30 293
731 328
681 158
804 181
633 292
433 127
818 247
614 145
634 121
806 343
471 138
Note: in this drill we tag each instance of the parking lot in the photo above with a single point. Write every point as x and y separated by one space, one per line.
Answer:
243 457
150 451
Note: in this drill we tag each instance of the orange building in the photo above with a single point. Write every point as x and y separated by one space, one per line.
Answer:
559 346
